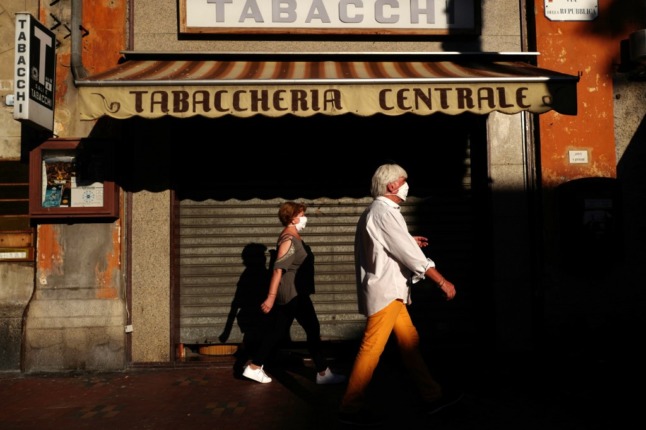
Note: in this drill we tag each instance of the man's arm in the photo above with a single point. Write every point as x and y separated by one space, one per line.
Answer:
445 285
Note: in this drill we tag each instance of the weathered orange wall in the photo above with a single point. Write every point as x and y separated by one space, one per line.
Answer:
590 49
104 28
104 35
105 21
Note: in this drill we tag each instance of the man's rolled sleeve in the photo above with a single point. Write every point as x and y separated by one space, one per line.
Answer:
417 276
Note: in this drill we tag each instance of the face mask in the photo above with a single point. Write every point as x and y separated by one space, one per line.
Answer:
302 222
402 193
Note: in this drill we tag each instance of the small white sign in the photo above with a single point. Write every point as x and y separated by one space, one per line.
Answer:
571 10
578 156
18 255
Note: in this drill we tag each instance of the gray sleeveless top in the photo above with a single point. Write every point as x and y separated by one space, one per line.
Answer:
298 271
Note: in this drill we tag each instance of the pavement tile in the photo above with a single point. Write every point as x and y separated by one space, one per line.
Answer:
504 393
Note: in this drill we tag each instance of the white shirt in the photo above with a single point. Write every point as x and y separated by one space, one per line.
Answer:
387 258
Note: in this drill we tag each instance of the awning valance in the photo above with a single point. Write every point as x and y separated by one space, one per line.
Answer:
185 87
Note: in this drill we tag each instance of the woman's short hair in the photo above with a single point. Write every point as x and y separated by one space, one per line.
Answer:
288 211
384 175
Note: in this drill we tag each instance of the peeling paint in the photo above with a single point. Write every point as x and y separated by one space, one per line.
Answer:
63 57
50 252
106 279
593 127
104 23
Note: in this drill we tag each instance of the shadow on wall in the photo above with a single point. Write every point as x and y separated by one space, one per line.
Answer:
590 225
458 42
291 157
251 291
619 17
631 173
598 308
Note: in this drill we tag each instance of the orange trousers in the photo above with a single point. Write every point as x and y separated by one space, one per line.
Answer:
394 318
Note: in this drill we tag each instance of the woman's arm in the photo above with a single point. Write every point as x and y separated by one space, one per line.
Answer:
276 276
283 248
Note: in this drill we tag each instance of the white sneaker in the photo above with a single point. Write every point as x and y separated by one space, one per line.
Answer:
257 375
329 378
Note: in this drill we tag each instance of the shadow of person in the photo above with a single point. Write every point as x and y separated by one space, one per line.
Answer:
251 291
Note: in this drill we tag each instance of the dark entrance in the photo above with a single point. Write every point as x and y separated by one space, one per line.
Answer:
233 172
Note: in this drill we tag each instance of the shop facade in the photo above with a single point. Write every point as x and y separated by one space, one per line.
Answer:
202 127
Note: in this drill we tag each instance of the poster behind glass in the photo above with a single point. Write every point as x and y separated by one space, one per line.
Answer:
67 183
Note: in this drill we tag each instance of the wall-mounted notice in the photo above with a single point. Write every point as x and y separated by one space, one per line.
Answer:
571 10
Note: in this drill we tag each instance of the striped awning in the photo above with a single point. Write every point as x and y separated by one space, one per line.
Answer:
214 87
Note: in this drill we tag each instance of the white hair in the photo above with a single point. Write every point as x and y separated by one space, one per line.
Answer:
384 175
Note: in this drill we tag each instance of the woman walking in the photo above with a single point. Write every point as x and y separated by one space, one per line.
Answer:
292 283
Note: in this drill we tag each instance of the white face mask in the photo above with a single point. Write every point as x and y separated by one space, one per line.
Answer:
302 222
402 193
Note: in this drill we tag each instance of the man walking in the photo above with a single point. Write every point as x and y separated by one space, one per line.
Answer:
388 260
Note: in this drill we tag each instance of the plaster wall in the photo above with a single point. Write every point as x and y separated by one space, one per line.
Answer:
629 113
151 277
150 227
77 316
592 129
630 134
510 189
16 288
75 334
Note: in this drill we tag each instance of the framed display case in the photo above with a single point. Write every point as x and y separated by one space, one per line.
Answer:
73 178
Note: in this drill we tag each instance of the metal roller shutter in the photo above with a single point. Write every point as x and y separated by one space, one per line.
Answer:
213 235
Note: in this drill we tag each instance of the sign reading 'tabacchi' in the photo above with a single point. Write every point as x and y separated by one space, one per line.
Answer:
34 73
328 16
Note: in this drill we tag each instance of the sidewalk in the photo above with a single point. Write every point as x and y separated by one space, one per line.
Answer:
202 393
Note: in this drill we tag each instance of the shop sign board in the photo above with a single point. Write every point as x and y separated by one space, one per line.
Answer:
374 17
34 72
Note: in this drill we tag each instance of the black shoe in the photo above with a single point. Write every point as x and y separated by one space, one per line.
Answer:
359 419
449 398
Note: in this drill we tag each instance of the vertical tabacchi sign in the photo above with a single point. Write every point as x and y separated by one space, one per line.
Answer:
35 72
